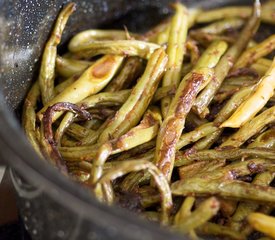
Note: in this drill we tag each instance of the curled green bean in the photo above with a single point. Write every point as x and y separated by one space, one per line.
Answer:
119 47
160 180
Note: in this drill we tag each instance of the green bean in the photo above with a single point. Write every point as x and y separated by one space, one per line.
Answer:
262 223
66 141
232 189
29 116
193 14
245 208
88 36
162 184
130 71
268 12
50 148
164 92
140 150
196 134
264 179
79 153
173 124
250 128
65 123
63 85
77 131
229 88
218 230
116 97
232 104
254 53
175 51
151 216
264 209
149 196
46 74
87 166
194 51
194 121
186 68
205 211
89 138
264 238
183 213
118 47
237 169
132 110
207 141
87 103
163 36
266 140
211 55
261 66
93 124
185 210
144 132
205 39
132 180
184 158
267 15
225 92
262 92
66 67
79 176
92 137
153 34
228 207
91 81
242 81
222 26
227 61
191 170
224 12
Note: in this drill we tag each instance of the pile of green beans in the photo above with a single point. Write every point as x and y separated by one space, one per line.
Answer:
176 123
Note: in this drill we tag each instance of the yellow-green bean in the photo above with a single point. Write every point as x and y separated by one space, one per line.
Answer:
175 51
47 69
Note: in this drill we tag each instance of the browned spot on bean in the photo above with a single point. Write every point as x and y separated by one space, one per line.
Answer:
102 69
255 168
188 95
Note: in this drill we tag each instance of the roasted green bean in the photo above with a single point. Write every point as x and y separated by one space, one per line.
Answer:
262 92
205 211
175 51
91 81
66 67
262 223
47 69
